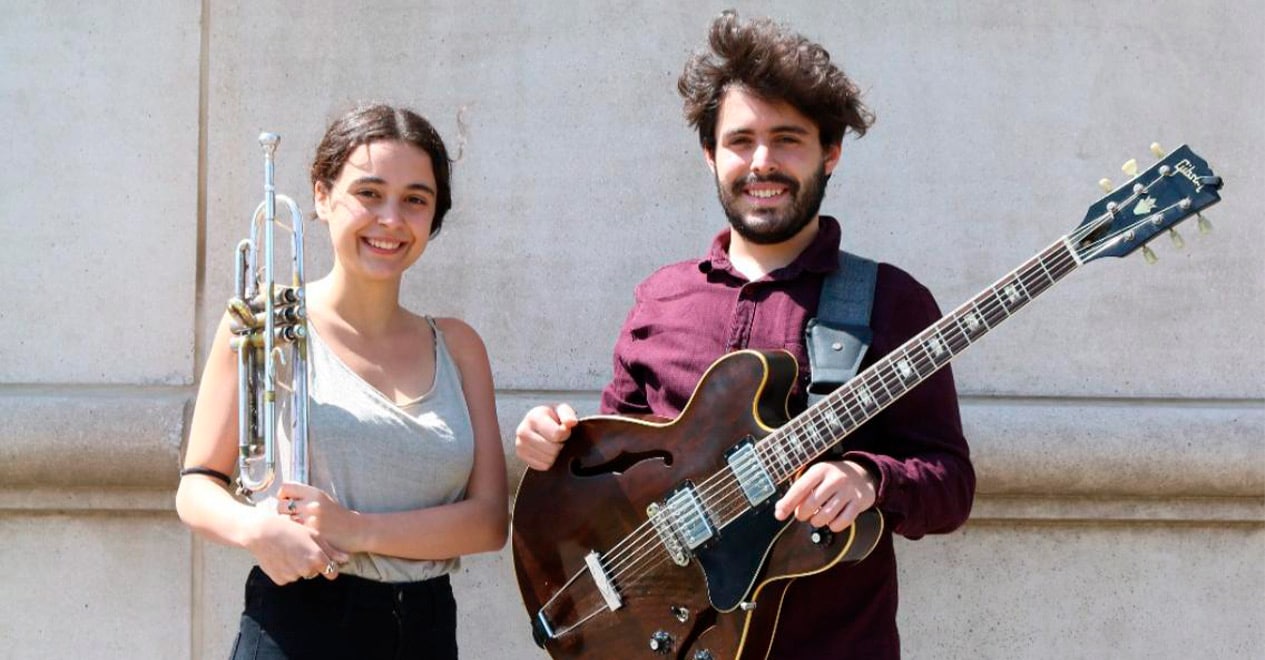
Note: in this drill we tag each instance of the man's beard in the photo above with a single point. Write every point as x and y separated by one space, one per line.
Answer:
778 225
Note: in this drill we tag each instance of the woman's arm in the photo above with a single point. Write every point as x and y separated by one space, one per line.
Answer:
284 549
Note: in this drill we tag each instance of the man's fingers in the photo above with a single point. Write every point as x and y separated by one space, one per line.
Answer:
566 416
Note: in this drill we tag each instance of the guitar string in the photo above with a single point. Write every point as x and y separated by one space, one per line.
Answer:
990 307
885 374
935 332
720 489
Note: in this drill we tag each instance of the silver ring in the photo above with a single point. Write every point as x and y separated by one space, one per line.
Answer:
291 507
330 567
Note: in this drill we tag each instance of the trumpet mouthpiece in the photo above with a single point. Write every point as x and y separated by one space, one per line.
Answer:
269 141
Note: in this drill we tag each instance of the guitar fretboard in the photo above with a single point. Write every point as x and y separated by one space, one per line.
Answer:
791 447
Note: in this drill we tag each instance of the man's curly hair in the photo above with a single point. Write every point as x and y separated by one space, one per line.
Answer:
775 64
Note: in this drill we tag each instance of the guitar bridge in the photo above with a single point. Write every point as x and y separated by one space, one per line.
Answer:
603 581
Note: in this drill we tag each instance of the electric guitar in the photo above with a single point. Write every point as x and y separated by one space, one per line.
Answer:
653 538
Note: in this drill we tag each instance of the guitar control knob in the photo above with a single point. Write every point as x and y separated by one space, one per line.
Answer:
703 654
661 642
821 536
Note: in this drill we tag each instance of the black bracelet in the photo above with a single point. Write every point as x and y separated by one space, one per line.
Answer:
216 474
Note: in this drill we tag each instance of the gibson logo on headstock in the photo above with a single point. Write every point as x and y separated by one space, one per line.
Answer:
1187 169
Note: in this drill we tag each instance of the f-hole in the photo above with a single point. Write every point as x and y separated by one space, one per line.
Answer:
618 464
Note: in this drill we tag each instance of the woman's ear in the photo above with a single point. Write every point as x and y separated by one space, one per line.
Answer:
320 193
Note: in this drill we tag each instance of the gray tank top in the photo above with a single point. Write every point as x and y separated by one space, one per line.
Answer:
375 456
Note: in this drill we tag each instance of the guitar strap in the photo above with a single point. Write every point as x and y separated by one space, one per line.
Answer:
837 338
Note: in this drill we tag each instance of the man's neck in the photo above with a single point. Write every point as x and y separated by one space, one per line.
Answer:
755 260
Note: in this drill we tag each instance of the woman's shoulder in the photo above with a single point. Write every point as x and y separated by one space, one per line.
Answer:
459 336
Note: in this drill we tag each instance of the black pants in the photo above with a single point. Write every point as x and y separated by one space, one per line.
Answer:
349 617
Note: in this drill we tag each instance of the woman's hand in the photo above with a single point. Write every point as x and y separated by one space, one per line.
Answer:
287 550
314 509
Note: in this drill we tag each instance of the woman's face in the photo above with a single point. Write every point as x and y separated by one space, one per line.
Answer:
379 209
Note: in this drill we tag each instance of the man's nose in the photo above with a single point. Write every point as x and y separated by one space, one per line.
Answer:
763 160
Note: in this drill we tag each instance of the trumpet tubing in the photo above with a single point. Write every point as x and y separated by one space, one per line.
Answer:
269 325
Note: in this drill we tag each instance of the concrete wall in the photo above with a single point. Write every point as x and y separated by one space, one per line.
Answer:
1118 427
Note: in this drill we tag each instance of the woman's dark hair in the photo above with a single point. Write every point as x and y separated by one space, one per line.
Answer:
372 123
774 64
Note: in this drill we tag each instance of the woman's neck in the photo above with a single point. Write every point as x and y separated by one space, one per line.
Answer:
372 309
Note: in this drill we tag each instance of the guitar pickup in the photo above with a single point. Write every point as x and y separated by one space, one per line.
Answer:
681 523
751 474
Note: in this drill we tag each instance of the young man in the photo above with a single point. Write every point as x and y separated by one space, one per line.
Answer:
771 111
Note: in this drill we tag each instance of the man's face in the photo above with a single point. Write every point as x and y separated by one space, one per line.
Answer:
770 167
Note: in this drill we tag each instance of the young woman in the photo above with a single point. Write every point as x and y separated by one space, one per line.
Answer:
406 464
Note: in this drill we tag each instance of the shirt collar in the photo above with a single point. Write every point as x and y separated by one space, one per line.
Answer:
821 256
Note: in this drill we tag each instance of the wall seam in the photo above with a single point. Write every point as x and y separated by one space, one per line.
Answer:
197 567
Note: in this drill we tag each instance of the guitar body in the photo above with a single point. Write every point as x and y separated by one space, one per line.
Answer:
595 499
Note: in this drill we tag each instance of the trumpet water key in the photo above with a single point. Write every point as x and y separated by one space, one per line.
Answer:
269 325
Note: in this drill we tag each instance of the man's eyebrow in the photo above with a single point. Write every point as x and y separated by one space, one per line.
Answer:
785 128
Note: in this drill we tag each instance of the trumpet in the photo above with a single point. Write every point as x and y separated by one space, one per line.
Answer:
269 326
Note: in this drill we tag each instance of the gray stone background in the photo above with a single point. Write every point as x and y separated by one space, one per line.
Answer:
1118 427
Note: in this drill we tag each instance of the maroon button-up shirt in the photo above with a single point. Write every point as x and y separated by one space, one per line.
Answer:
689 314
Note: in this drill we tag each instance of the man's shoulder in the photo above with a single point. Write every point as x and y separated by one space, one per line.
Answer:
671 279
893 278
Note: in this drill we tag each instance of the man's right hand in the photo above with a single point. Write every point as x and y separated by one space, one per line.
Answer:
540 435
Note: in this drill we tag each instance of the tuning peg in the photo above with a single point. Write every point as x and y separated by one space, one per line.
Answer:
1106 185
1157 150
1205 227
1149 254
1177 238
1130 167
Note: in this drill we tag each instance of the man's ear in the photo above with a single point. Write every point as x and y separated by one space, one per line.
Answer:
710 156
832 157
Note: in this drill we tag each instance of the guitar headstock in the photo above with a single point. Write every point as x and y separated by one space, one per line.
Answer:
1178 186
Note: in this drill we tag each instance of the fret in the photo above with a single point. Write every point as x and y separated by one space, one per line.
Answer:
923 362
996 310
833 422
978 317
936 348
1048 276
966 333
905 369
789 449
894 385
788 465
864 397
880 370
958 341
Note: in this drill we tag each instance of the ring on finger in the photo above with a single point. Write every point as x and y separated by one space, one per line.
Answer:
291 507
330 567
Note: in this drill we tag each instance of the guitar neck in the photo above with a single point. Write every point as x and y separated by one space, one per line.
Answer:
793 446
